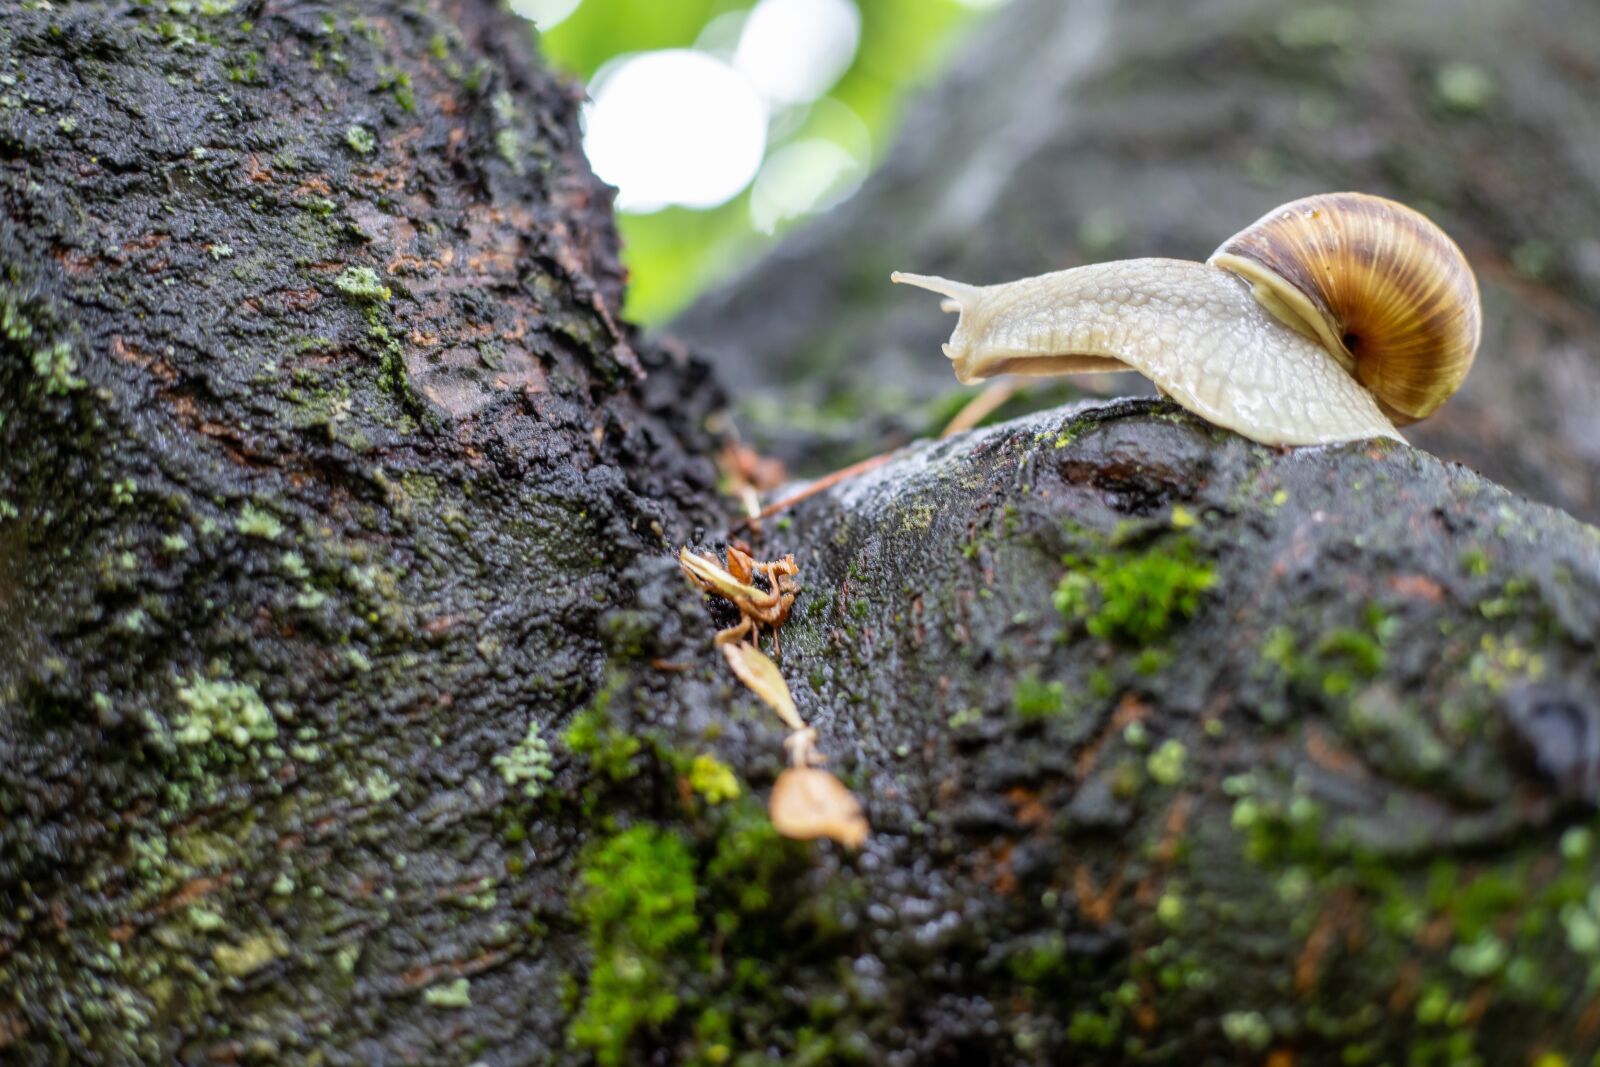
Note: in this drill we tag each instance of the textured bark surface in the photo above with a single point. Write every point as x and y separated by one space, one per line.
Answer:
353 709
324 457
1084 131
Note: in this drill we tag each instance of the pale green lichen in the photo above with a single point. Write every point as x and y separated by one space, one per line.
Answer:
527 763
508 145
225 710
254 522
379 787
249 956
56 365
360 140
456 994
362 283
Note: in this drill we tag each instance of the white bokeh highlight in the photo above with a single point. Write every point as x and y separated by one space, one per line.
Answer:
808 175
675 127
690 127
793 51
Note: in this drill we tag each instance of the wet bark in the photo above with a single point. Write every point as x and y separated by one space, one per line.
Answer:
353 709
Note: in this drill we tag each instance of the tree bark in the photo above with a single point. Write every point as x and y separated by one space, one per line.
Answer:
1077 132
326 453
354 709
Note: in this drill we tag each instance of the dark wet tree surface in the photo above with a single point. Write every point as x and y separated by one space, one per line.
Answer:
354 709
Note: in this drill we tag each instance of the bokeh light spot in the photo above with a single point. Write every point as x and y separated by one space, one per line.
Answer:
799 178
794 50
674 127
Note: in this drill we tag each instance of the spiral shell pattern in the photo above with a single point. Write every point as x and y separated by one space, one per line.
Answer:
1379 284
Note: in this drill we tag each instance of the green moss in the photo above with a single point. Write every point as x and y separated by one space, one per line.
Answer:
222 709
14 322
1339 662
55 366
1039 960
1481 958
1462 87
1343 656
636 897
527 763
398 82
362 283
1508 602
508 146
1033 699
1134 597
360 140
713 779
609 750
1499 662
1092 1029
1166 763
1247 1029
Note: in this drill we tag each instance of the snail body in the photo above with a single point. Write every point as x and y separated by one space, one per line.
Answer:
1330 319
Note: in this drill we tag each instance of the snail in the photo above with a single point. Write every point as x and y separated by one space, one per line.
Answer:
1333 318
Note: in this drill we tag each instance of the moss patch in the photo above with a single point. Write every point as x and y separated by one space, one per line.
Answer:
1134 598
636 898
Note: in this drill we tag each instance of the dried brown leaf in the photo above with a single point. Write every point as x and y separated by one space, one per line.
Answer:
809 803
756 670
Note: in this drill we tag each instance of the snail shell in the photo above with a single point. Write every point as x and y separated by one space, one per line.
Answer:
1376 282
1320 323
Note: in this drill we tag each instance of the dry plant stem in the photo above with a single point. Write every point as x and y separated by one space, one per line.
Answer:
980 407
801 746
737 632
826 482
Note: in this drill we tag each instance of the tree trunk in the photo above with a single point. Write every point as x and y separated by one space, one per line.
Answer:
1091 130
355 710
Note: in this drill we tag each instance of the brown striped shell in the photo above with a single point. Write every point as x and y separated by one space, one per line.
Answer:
1382 287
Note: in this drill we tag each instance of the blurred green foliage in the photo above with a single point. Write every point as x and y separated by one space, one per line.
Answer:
674 253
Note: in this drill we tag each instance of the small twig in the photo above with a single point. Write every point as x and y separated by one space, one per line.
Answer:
826 482
980 407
